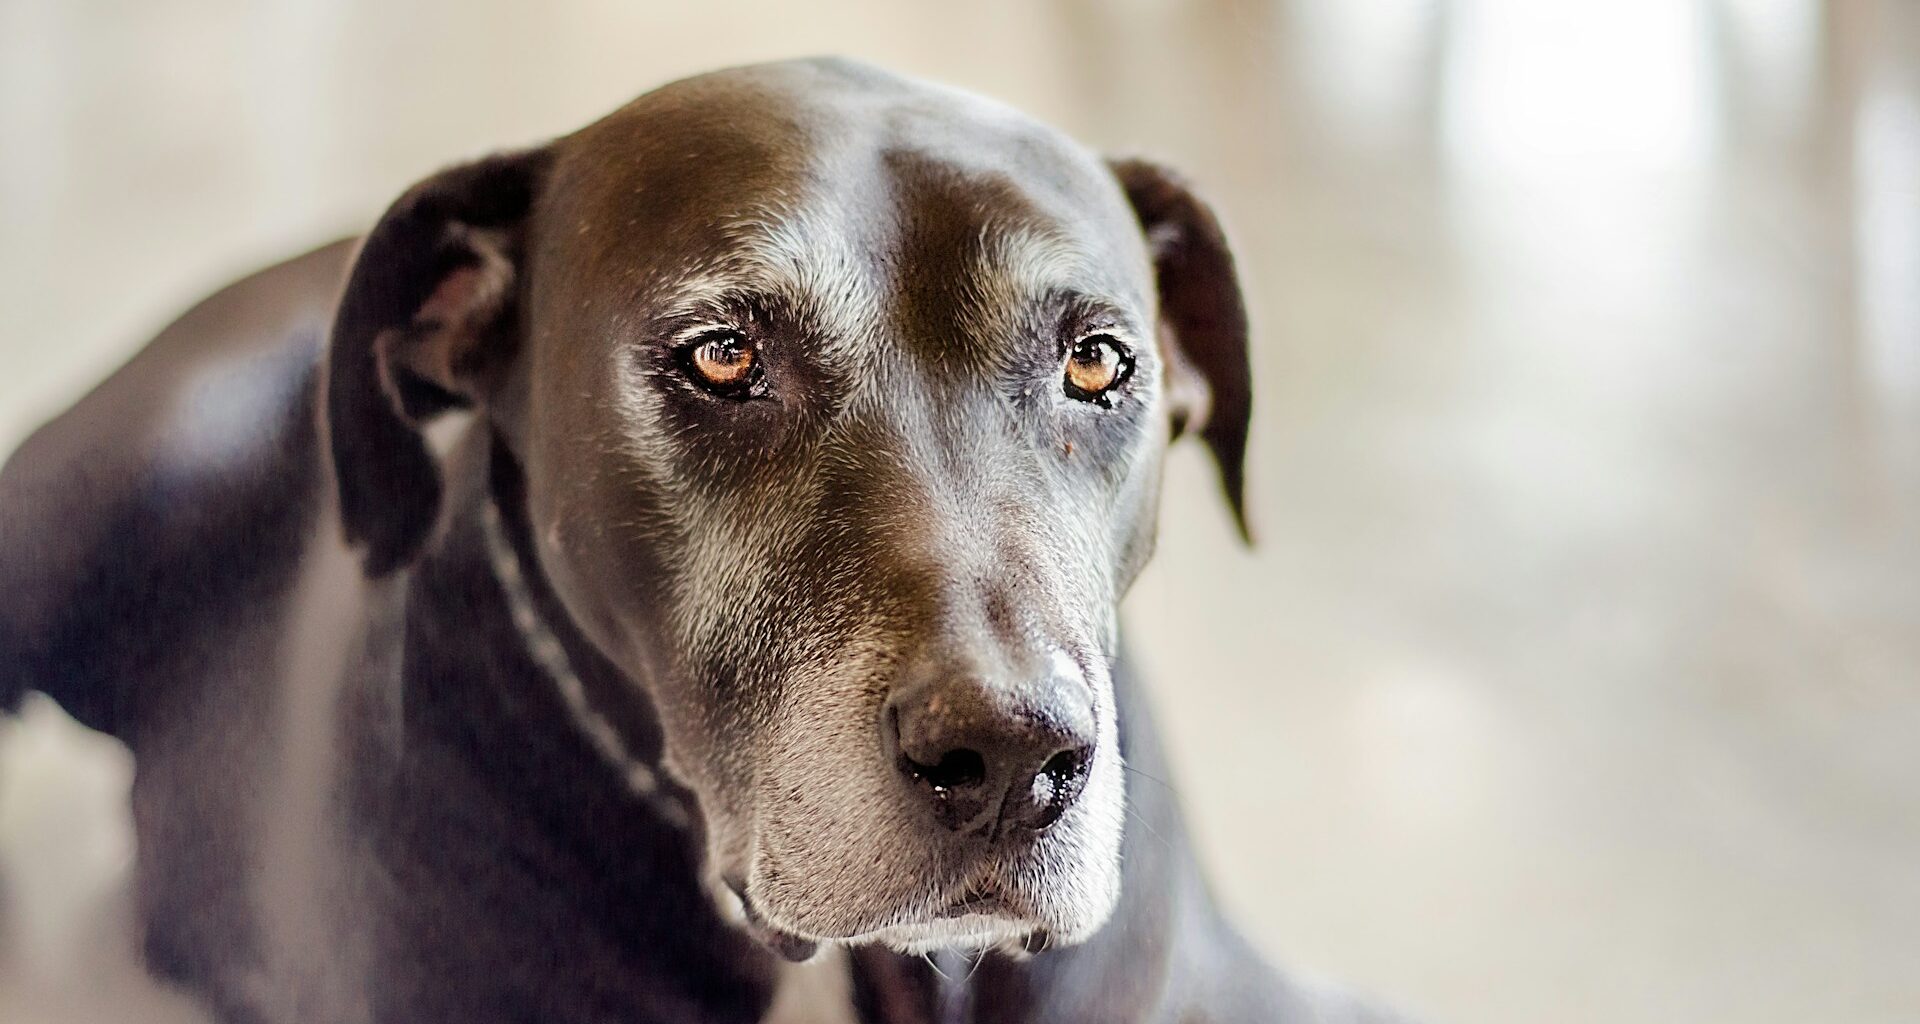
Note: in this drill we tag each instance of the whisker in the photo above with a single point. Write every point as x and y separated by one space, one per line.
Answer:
979 958
1153 778
928 957
1142 819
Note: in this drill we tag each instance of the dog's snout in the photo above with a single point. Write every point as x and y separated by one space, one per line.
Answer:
990 757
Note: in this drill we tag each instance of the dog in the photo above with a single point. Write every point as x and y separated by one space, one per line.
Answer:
669 574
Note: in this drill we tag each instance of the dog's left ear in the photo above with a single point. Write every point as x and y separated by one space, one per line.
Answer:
1203 320
427 323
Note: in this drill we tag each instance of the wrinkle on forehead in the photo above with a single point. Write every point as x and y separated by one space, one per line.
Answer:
846 290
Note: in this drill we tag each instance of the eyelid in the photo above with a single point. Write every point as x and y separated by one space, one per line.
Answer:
688 335
1122 339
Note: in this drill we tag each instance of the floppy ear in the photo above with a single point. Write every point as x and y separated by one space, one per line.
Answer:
427 323
1203 321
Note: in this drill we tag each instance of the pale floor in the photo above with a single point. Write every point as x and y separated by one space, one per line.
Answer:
1577 674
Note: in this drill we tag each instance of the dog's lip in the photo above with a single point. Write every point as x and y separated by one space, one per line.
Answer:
978 900
986 901
785 944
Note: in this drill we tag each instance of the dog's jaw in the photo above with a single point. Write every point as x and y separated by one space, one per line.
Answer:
965 933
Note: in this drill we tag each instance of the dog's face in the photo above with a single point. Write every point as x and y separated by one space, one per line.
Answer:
841 402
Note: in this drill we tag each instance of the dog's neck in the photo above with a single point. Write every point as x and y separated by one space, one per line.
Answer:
528 796
544 670
508 551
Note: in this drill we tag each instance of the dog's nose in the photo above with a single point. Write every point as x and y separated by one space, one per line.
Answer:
993 758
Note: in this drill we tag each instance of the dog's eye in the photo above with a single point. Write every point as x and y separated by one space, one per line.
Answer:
1095 367
722 361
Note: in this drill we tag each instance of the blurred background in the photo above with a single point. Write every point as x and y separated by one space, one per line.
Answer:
1576 676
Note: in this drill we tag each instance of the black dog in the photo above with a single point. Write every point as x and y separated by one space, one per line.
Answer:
759 599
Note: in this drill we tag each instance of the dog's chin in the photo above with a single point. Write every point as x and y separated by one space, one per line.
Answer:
964 933
976 923
968 933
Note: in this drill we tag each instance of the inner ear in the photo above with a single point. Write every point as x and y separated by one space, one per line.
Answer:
453 351
1188 398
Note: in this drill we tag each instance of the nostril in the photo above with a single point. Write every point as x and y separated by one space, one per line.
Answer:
1056 785
1064 766
956 769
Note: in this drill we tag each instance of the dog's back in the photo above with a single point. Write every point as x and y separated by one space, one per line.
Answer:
165 498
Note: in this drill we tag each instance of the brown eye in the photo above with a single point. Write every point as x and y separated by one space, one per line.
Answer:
724 362
1096 366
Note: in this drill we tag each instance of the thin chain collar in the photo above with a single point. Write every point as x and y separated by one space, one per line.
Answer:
548 652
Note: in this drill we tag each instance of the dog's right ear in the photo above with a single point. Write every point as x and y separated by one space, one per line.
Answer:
1203 319
427 323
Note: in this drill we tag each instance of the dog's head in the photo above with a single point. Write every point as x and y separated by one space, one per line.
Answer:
841 402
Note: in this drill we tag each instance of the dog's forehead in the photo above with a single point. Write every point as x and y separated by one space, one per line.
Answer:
850 187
